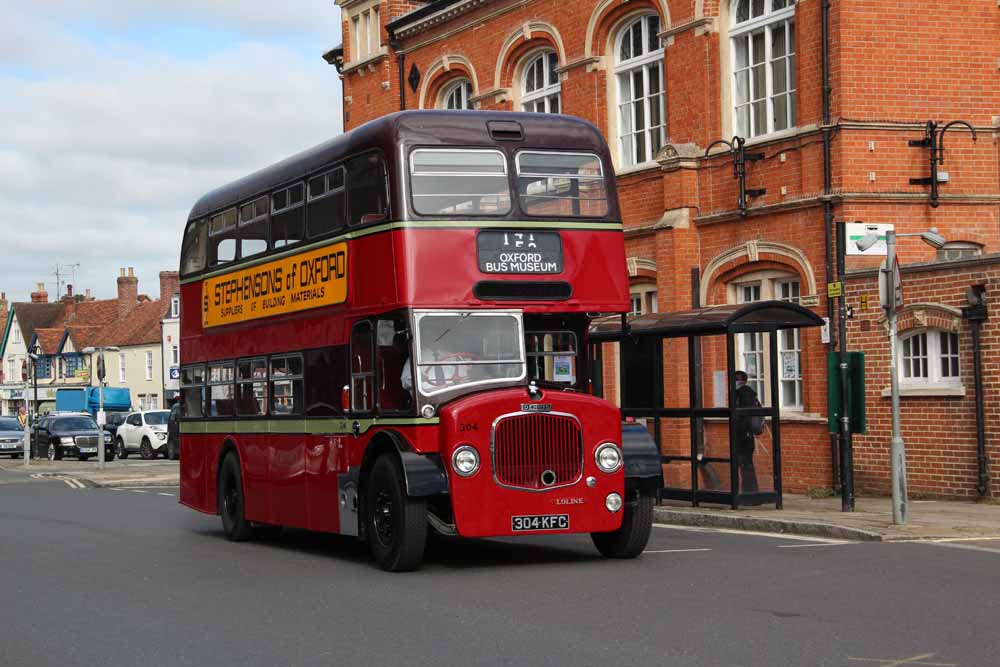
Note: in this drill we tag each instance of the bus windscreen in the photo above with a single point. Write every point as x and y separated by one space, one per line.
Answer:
459 182
561 184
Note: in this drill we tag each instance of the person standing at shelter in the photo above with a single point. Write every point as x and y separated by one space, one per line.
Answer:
747 428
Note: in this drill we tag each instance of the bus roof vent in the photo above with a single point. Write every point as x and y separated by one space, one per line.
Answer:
522 290
505 130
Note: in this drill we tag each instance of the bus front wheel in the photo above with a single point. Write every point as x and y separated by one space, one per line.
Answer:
396 524
629 540
231 502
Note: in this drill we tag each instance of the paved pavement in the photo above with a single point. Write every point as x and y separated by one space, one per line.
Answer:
130 472
871 520
126 576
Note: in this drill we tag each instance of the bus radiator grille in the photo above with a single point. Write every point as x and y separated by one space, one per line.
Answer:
536 451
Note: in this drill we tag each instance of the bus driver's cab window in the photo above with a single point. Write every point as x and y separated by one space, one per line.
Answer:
362 370
392 356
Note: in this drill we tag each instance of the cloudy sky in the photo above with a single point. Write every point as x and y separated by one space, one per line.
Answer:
117 115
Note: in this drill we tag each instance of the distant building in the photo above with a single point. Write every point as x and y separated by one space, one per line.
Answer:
64 329
171 350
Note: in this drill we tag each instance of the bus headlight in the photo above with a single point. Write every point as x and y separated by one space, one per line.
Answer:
608 457
465 461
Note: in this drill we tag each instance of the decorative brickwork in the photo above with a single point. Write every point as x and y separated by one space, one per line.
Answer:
894 65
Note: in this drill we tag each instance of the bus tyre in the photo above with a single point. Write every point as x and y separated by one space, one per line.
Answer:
396 524
629 540
231 505
146 450
120 449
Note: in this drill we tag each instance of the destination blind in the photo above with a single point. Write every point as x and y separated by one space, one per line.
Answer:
308 280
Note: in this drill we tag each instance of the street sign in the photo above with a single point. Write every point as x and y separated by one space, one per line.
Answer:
858 230
100 367
834 289
893 301
102 418
175 373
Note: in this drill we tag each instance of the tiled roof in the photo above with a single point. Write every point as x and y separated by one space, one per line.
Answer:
140 327
92 323
49 339
31 316
84 336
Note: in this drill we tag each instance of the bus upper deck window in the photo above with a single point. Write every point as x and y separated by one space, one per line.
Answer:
223 241
193 250
561 184
368 192
326 202
287 217
457 181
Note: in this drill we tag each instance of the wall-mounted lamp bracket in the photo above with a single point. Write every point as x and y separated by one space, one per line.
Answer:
740 158
934 139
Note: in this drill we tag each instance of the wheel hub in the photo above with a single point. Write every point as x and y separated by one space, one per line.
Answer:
382 517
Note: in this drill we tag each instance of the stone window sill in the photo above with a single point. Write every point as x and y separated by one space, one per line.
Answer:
371 59
927 390
637 168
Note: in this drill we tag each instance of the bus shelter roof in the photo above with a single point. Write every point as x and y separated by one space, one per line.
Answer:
711 320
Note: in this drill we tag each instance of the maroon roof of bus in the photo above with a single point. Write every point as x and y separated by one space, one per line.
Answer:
395 133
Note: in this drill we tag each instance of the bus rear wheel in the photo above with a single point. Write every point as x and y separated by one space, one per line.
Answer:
231 501
396 524
629 540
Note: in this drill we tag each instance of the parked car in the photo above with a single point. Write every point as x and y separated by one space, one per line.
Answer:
173 433
112 420
143 432
70 434
11 437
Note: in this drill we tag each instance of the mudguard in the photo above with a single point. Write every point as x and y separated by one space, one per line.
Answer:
424 473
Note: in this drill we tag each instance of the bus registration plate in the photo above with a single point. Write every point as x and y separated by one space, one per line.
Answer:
520 524
502 251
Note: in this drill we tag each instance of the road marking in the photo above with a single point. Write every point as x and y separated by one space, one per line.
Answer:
671 551
138 491
733 531
165 494
72 483
968 547
915 660
819 544
964 539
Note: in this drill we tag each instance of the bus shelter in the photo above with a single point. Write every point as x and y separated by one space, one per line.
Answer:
651 343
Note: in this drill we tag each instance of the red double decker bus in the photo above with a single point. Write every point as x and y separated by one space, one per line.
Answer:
386 335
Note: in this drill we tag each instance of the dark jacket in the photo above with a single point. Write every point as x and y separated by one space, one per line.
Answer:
745 398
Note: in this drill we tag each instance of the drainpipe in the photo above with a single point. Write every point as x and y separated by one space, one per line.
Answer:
976 313
835 465
401 62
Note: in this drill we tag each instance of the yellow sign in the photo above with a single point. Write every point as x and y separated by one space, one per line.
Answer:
834 289
308 280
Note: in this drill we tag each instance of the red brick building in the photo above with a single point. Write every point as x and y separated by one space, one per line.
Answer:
663 80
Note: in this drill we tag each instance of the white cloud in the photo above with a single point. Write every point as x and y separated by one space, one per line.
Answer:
106 147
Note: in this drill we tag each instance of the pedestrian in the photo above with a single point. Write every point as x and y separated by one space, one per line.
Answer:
747 430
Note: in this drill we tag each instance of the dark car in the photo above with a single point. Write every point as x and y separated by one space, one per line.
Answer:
173 433
112 420
11 437
70 435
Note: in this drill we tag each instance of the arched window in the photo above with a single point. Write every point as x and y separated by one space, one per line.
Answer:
752 349
540 84
456 95
929 357
639 78
763 64
959 250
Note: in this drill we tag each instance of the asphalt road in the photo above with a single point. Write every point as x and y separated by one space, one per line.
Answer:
129 577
